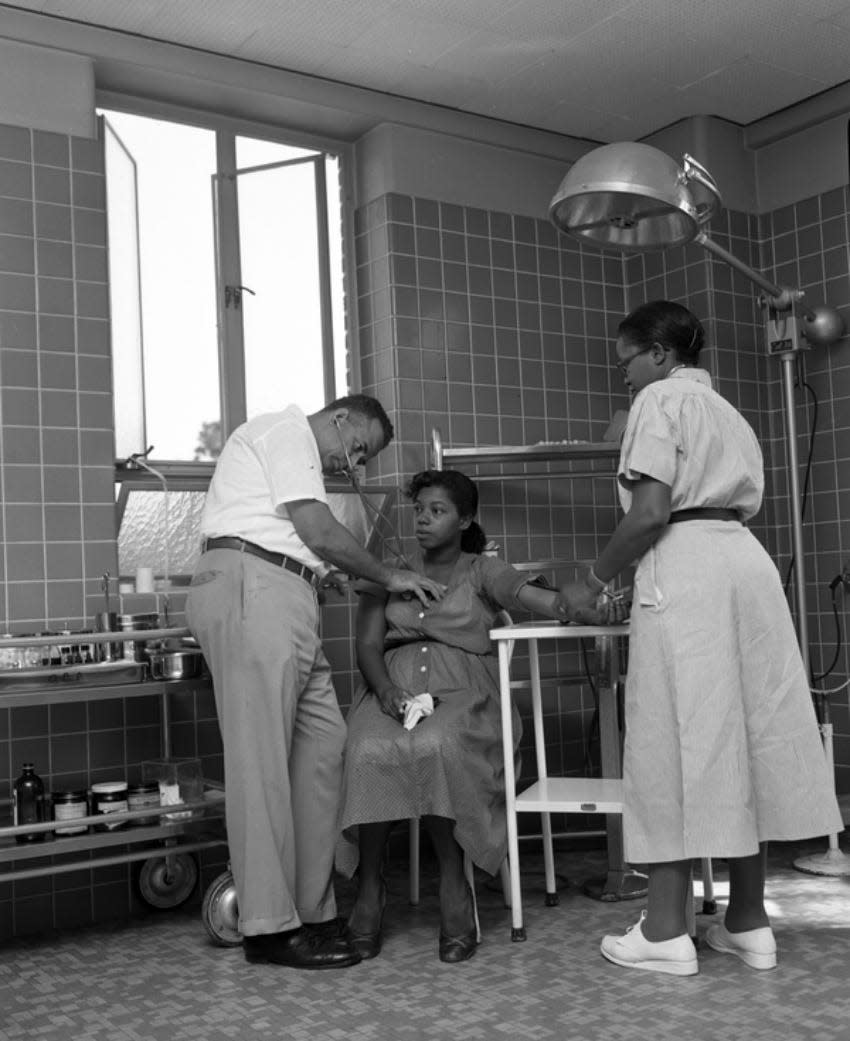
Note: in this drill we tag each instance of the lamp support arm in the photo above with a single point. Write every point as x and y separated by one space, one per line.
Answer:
780 299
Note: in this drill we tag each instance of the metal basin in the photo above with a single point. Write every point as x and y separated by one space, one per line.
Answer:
183 664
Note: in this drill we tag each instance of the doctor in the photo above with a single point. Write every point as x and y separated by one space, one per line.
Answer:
267 535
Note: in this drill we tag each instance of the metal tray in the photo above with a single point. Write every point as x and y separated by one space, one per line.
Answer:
97 674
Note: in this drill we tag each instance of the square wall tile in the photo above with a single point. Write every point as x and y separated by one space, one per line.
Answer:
15 143
50 149
16 217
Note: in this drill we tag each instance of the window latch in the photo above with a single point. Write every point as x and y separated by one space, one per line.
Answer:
233 296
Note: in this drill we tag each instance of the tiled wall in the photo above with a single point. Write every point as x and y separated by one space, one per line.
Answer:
487 325
56 452
498 331
57 505
808 245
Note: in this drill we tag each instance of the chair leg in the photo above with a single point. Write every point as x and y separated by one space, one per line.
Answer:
414 861
690 912
469 872
709 904
505 874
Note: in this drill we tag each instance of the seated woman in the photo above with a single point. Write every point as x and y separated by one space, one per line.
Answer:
447 770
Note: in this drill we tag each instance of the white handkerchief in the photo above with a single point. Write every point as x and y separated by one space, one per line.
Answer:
417 708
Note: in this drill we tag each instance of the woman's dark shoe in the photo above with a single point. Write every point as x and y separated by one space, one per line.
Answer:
368 944
458 948
461 948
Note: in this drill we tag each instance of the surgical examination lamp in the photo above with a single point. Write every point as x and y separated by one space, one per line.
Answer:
634 198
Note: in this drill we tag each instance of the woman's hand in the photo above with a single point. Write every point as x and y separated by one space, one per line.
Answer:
392 701
578 602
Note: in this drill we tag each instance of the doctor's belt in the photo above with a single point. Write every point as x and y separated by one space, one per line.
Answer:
278 559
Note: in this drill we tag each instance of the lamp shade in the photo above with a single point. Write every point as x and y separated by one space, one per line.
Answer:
633 198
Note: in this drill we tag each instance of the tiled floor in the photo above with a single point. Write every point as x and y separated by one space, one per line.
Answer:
162 980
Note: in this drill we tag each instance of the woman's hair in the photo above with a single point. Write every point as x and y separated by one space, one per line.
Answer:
667 323
462 493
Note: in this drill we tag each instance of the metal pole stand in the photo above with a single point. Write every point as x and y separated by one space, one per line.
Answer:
834 862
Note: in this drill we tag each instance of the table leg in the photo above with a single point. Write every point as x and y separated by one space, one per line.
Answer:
517 929
620 883
542 771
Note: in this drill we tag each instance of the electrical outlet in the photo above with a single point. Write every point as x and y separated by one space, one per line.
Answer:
845 578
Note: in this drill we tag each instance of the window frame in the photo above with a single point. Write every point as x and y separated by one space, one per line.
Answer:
232 369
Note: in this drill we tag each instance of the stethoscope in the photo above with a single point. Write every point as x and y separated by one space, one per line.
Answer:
391 541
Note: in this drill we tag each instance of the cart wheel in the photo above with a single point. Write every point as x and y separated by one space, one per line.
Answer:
220 913
167 882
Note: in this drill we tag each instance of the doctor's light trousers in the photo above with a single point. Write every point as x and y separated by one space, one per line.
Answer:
283 736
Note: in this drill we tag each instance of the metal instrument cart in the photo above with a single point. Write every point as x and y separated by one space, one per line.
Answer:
169 870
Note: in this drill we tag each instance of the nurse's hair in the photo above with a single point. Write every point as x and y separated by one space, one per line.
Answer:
667 323
462 493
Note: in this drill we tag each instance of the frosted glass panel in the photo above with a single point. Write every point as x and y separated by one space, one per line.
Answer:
142 540
147 514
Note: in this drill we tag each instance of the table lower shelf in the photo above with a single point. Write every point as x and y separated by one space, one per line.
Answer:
572 795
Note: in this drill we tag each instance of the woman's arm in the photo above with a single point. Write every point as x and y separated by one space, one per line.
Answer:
540 600
639 529
369 643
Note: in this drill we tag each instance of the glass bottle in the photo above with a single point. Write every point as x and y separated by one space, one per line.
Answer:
28 803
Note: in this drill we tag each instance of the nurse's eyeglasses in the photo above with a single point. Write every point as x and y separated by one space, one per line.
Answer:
623 366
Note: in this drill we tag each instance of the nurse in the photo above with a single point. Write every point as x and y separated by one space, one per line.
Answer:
722 750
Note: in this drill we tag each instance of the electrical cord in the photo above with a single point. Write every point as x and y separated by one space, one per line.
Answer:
593 730
801 382
831 690
839 635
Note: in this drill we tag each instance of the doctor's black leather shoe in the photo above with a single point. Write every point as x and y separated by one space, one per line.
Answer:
303 948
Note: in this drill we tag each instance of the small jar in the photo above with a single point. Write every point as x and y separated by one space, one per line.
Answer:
109 797
140 797
70 806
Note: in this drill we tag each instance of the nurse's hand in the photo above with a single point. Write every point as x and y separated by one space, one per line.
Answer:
393 701
577 602
411 582
615 608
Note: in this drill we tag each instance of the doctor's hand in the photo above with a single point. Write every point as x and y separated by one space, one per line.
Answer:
336 580
410 582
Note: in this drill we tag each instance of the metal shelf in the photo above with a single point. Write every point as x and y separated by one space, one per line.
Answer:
59 692
547 452
166 838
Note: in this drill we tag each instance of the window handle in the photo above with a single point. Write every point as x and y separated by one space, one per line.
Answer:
233 296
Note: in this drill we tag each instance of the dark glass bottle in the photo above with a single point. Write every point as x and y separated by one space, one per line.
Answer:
28 803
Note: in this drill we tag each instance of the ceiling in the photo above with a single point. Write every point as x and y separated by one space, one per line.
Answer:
604 70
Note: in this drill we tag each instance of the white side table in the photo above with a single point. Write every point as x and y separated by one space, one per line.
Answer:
563 794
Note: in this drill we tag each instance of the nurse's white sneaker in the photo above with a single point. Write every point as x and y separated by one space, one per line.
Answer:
755 947
677 957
